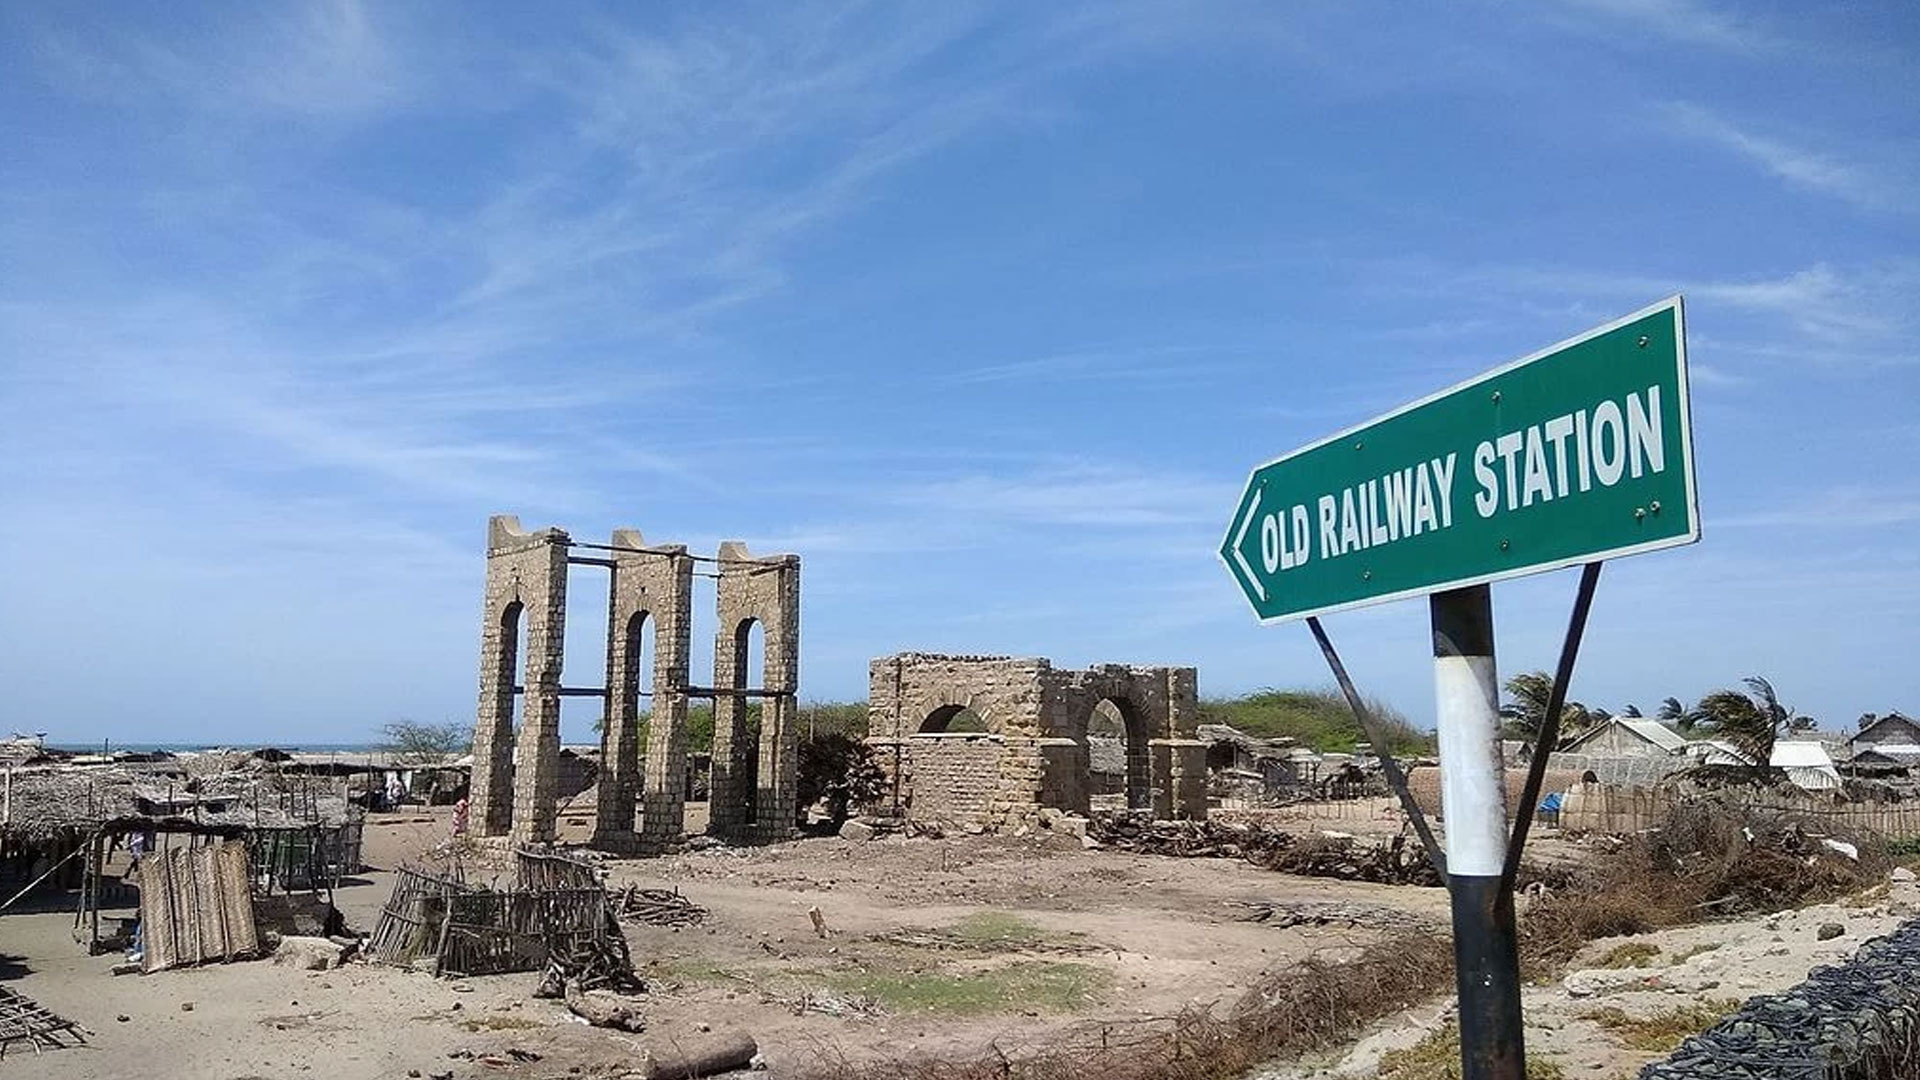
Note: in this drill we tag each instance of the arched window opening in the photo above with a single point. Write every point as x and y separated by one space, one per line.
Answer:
953 719
749 672
1124 720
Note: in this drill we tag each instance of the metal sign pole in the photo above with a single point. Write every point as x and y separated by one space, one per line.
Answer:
1473 797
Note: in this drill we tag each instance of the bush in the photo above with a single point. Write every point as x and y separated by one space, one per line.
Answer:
839 769
1318 719
1712 857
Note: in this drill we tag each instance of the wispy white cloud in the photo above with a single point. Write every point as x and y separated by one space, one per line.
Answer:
1690 22
329 58
1852 507
1709 375
1862 317
1103 364
1861 185
1092 494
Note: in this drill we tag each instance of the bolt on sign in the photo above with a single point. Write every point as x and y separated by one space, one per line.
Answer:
1580 452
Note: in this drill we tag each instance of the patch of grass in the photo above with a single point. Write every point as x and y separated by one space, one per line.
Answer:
1692 951
1663 1031
1437 1057
1630 954
998 929
1027 985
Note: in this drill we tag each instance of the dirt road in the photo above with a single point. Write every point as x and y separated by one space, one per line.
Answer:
935 946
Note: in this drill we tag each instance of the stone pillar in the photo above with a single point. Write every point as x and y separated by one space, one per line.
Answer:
1187 779
524 571
728 782
651 596
778 780
763 589
537 753
664 806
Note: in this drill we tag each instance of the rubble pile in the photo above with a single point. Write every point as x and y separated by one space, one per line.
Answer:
1399 860
1854 1021
1285 914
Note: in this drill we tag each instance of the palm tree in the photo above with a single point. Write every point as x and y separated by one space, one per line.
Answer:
1631 711
1751 720
1672 712
1526 709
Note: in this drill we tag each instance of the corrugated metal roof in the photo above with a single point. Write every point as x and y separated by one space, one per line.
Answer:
1796 753
1807 764
1654 732
1895 750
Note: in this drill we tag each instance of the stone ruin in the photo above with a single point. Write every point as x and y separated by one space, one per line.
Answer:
1033 753
516 766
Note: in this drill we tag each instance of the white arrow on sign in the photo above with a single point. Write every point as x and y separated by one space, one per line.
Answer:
1240 537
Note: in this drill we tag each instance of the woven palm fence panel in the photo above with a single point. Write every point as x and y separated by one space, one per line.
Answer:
24 1020
196 907
493 932
557 912
413 924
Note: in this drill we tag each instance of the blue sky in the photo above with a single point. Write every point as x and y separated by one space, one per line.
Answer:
985 310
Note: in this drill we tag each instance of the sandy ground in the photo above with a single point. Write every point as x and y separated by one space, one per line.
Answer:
1141 936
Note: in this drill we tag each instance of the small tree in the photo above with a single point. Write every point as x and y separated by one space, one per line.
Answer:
840 769
418 743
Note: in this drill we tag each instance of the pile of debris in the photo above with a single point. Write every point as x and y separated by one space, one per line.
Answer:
1284 914
1399 860
657 907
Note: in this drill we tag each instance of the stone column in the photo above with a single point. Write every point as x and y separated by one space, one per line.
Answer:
664 800
1186 779
537 767
521 570
763 589
777 781
652 596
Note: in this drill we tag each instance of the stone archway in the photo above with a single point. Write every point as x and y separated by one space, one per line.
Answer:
1136 735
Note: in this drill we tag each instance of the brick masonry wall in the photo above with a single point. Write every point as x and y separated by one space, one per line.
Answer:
951 777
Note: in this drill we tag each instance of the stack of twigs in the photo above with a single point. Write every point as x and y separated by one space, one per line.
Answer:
656 907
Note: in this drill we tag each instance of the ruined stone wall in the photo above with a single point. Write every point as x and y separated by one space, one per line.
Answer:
762 590
1039 714
514 780
904 692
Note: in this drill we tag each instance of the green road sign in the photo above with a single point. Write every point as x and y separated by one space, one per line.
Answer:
1582 451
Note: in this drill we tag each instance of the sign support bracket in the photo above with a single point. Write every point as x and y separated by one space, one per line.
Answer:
1396 777
1549 733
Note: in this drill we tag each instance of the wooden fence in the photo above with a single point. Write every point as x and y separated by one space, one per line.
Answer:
1624 810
